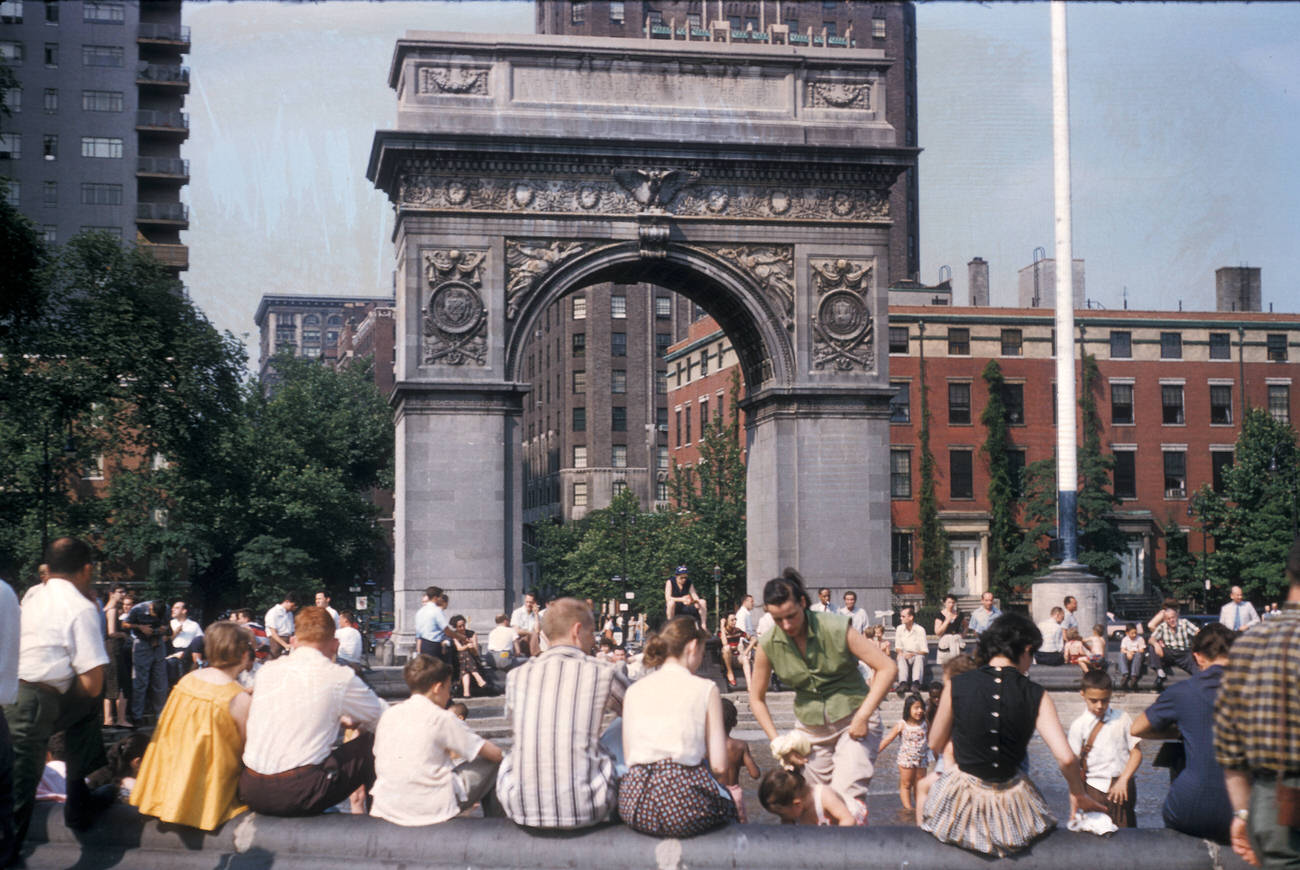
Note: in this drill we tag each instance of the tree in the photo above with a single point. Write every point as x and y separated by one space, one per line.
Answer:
936 558
1031 557
1180 565
1253 521
1004 534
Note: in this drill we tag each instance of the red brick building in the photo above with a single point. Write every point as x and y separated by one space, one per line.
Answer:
701 369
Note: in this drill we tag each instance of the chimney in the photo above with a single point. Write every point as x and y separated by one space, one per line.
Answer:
1237 288
979 282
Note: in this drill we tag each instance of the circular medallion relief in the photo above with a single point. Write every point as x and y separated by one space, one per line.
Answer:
717 201
523 194
843 315
457 192
456 308
588 197
842 204
779 202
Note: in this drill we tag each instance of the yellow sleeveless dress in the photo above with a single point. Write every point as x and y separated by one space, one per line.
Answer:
191 767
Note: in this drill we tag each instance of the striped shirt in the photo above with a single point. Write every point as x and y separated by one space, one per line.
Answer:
1179 637
1256 721
556 774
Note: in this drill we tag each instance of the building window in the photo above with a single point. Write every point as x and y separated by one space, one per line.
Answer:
1175 474
900 474
579 344
678 428
687 409
116 232
661 490
50 101
959 404
12 99
11 146
619 486
579 419
11 12
618 456
579 307
900 404
1012 341
1121 344
11 53
1013 401
1220 461
662 342
661 383
101 194
95 471
1016 471
663 307
49 234
1220 345
579 382
332 337
101 146
958 341
51 54
1279 402
13 191
1125 475
877 28
579 456
1171 345
704 416
829 27
1277 347
898 339
50 193
101 101
102 55
50 146
311 336
1220 404
900 555
618 344
618 419
103 13
661 419
616 11
618 307
579 494
1121 404
1171 404
960 477
661 458
618 381
577 11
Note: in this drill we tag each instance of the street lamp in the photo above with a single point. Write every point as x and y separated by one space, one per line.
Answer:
1193 505
625 518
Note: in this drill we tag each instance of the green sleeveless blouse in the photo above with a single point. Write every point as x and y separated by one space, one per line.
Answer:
827 683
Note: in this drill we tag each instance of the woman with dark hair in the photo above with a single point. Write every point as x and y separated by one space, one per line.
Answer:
817 655
986 804
1197 802
948 627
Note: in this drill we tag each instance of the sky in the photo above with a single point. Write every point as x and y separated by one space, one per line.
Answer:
1185 124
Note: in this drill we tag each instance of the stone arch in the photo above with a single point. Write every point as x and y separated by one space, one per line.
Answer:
742 307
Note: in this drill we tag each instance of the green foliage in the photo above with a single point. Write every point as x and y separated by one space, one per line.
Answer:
1253 521
1030 558
1181 580
1004 534
935 567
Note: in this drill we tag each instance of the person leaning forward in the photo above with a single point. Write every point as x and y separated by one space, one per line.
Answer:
299 701
61 676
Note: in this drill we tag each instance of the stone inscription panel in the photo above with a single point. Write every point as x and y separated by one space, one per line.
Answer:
626 86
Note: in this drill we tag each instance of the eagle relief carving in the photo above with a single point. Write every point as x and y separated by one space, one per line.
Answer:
455 319
655 188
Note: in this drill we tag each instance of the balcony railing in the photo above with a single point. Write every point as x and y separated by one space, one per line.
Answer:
173 166
167 120
175 256
162 211
163 73
153 31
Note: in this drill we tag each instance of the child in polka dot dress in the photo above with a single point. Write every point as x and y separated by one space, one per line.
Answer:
913 748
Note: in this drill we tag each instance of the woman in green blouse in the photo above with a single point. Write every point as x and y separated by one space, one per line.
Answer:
817 655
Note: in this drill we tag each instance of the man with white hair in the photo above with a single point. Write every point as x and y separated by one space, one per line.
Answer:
1238 614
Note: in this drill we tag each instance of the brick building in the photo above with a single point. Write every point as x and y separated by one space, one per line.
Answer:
313 327
701 369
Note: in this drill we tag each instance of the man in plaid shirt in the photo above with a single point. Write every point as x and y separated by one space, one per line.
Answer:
1257 730
1170 644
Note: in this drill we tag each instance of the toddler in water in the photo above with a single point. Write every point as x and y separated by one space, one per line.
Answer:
738 756
1096 646
913 749
785 794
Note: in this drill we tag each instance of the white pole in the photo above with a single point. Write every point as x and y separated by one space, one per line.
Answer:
1067 472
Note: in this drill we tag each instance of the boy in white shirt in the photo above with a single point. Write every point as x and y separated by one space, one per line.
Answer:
1133 656
1108 753
429 766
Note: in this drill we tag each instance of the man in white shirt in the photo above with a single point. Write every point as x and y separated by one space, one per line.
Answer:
857 616
433 631
184 632
429 765
1237 614
910 648
9 629
765 623
501 643
1071 621
823 604
745 615
323 600
279 624
1052 652
350 643
984 615
61 674
525 621
291 767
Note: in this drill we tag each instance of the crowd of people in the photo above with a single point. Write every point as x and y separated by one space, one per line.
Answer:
597 736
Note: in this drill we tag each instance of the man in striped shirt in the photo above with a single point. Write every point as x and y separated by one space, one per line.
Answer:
557 774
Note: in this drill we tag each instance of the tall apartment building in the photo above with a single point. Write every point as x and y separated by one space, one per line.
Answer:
315 327
94 138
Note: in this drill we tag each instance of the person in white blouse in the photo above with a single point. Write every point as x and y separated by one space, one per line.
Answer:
323 600
351 646
674 741
745 615
1238 614
299 702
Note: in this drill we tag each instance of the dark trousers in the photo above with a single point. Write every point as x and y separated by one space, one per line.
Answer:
1173 658
6 792
38 714
1049 658
310 790
148 678
441 651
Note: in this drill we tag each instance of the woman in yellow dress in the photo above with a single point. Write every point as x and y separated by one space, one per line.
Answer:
192 765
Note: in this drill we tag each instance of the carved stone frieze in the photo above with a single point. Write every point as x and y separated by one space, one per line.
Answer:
843 333
655 188
771 268
457 81
455 318
528 261
839 95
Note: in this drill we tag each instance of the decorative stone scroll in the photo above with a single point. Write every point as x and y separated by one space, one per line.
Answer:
771 268
529 261
457 81
843 334
455 319
839 95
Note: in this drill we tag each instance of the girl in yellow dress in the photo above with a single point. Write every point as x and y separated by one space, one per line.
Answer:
192 765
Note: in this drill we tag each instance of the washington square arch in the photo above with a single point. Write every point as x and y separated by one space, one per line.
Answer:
753 181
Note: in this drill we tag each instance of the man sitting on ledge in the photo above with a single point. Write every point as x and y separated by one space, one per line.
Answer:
292 767
558 774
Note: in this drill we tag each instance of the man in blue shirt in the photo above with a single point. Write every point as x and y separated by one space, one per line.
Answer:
433 631
983 617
